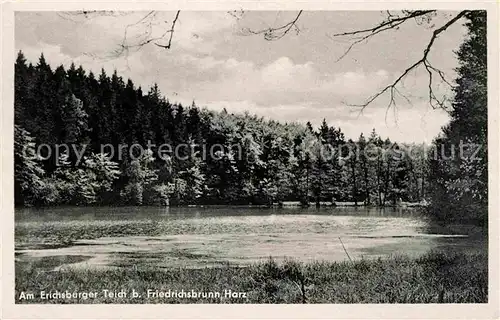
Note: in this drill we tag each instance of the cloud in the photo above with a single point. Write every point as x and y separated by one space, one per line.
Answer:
194 29
52 54
55 56
279 82
288 80
284 74
403 124
356 82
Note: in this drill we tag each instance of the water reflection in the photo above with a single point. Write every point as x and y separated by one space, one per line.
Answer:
120 213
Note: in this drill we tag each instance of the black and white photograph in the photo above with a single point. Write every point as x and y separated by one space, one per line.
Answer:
251 156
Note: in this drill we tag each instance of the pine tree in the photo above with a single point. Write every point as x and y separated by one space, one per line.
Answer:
42 106
141 176
459 186
322 171
21 93
352 163
364 168
74 121
305 159
28 173
190 182
378 162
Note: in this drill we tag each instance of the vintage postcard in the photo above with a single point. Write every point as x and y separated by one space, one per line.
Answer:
249 160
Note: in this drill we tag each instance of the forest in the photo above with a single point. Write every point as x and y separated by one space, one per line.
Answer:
257 161
254 161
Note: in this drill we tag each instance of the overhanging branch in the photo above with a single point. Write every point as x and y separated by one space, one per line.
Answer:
276 33
391 88
171 31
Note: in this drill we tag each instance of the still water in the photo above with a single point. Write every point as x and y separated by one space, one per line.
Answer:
198 237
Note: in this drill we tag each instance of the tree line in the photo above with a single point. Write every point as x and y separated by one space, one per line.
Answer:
274 161
257 161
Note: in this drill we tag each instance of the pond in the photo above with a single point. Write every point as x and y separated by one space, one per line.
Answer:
105 237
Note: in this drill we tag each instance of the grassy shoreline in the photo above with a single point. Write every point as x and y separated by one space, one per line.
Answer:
436 277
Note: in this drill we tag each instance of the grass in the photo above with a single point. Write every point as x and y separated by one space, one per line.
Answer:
436 277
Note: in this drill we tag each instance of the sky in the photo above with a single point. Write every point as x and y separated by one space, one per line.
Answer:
215 62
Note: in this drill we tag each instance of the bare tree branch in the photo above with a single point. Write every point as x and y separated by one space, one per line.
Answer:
237 14
146 36
391 88
124 46
171 31
77 16
276 33
392 22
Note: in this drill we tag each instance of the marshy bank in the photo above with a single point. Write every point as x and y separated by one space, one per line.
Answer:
397 255
435 277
